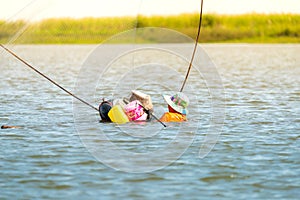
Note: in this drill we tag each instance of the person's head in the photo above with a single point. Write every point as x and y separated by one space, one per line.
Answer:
143 98
104 108
171 109
177 103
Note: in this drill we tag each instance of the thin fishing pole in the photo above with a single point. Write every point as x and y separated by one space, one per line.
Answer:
195 48
46 77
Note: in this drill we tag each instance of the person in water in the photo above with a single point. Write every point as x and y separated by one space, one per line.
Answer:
138 107
177 105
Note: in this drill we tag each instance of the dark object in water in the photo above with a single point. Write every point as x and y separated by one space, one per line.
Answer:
7 127
104 108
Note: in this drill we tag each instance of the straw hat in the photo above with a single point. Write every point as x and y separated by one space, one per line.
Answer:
178 102
143 98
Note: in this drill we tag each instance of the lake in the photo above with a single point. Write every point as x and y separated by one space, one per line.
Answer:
243 113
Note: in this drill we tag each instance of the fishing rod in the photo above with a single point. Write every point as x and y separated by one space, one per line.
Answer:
195 48
56 84
46 77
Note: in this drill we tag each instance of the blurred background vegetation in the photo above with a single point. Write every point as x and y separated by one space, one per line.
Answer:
246 28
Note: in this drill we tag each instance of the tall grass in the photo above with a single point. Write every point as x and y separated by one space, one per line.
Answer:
258 28
232 28
66 30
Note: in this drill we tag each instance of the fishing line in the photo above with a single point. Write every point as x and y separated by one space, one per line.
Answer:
56 84
46 77
195 48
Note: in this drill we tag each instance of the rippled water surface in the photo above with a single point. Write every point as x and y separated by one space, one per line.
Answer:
257 155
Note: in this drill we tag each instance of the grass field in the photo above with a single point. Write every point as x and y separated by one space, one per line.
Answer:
247 28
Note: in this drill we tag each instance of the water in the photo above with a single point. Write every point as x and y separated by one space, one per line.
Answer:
256 157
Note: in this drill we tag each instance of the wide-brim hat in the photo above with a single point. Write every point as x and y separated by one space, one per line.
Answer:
143 98
178 102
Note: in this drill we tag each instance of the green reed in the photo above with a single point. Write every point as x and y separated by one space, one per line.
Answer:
251 28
